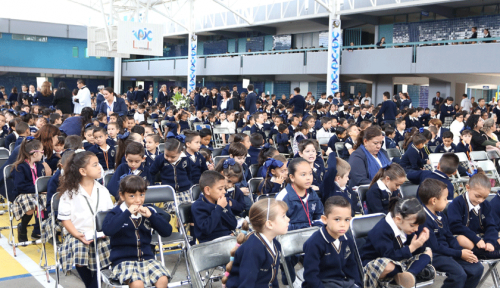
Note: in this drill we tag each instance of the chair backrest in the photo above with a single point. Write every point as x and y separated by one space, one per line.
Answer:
487 166
217 159
254 169
99 220
107 178
160 193
490 197
54 203
161 147
492 154
238 130
209 255
12 146
434 158
247 132
4 153
462 157
362 193
339 146
401 144
216 152
3 161
478 155
265 196
393 152
151 121
184 213
221 130
195 192
323 140
41 184
253 185
7 171
275 140
293 241
409 190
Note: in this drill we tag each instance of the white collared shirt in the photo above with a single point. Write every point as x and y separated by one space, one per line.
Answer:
271 246
382 186
77 210
472 207
395 229
179 159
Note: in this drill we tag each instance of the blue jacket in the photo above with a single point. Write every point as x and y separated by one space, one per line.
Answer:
446 111
296 211
99 99
399 137
495 209
331 143
359 175
254 154
270 187
178 176
198 166
412 123
440 148
413 159
377 200
140 96
390 143
125 237
225 150
467 223
323 262
118 107
318 171
9 139
199 102
211 221
381 242
72 126
347 193
131 96
110 155
18 141
462 147
23 178
237 199
389 110
52 190
435 141
122 171
250 102
149 158
256 129
404 104
417 177
299 104
52 161
254 265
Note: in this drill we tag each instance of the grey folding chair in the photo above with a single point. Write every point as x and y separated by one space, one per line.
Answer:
393 153
478 156
161 147
216 152
409 190
253 186
12 146
217 159
4 153
54 204
41 187
362 195
265 196
107 178
195 192
208 255
292 243
254 169
339 146
8 185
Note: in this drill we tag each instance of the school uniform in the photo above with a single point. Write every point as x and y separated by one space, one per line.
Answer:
417 177
296 209
18 141
270 187
424 119
299 136
130 242
274 131
389 110
413 159
390 143
435 141
211 221
331 143
123 171
198 166
237 199
112 142
330 262
177 175
23 192
52 161
405 104
463 147
447 253
442 149
360 118
150 157
378 197
258 128
349 144
400 136
291 131
318 172
253 153
184 125
86 145
106 158
283 143
256 263
246 128
412 122
12 137
345 192
209 147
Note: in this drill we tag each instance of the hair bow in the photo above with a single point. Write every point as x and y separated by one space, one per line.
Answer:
408 130
267 146
421 130
23 113
29 138
467 127
272 163
12 111
228 162
181 138
474 172
123 136
88 125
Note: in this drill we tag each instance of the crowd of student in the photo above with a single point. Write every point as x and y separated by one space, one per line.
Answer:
282 138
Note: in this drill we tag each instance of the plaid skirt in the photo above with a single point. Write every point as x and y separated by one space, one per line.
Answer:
182 197
26 202
375 268
74 252
147 271
47 229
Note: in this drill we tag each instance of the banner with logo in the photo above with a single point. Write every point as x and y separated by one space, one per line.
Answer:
334 44
192 59
140 38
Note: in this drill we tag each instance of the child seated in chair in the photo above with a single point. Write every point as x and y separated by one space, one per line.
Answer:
447 145
329 258
472 219
460 265
384 187
211 214
413 159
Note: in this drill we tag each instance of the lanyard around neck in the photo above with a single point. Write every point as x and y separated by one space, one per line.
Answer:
34 173
305 207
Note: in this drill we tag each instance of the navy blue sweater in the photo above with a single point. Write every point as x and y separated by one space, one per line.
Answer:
299 103
377 200
495 209
211 221
11 138
389 110
198 166
347 193
237 199
52 190
256 129
446 111
18 141
270 187
381 242
122 171
225 150
296 212
254 154
469 224
178 176
255 265
23 180
323 261
417 177
110 155
149 158
440 148
412 123
130 241
413 159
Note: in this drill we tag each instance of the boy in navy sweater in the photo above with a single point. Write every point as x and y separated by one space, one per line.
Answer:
102 150
413 159
460 265
282 139
257 141
471 218
400 130
22 130
258 127
447 109
340 188
446 167
390 134
198 162
389 110
328 253
206 139
339 136
464 145
447 145
211 215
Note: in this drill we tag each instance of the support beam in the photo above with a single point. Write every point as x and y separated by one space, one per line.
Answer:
320 2
164 15
249 21
321 21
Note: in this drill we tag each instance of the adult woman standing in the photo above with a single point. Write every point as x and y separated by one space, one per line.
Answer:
112 104
62 99
368 157
226 103
480 140
47 97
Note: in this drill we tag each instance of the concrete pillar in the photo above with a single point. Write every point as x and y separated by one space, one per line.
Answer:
155 88
118 75
459 91
382 84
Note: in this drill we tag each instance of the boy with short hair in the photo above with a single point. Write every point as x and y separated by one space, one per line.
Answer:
339 136
139 115
113 117
198 163
400 130
23 130
104 152
239 153
436 140
328 253
294 122
113 129
103 120
55 119
352 132
212 217
364 115
152 151
447 145
282 139
341 188
258 127
460 265
464 145
257 141
206 139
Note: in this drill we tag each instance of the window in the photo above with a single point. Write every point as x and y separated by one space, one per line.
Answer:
75 52
386 20
86 52
23 37
414 17
400 18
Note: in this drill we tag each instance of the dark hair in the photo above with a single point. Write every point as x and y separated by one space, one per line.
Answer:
256 140
132 184
296 89
427 134
409 137
335 201
156 138
418 139
250 87
25 151
209 178
235 170
431 188
138 129
264 154
292 165
45 135
340 130
205 132
100 129
406 208
393 171
472 121
367 134
190 135
134 148
237 149
282 127
21 127
267 178
73 142
122 146
480 180
466 132
70 181
173 145
447 134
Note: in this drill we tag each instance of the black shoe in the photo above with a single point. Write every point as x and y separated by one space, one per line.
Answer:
22 234
35 235
427 274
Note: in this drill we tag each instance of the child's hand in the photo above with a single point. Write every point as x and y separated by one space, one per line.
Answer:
314 187
222 202
245 191
82 238
489 247
428 161
281 179
133 209
144 211
481 244
468 256
419 242
211 166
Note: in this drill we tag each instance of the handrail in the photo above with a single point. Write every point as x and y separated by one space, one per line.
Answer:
358 47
